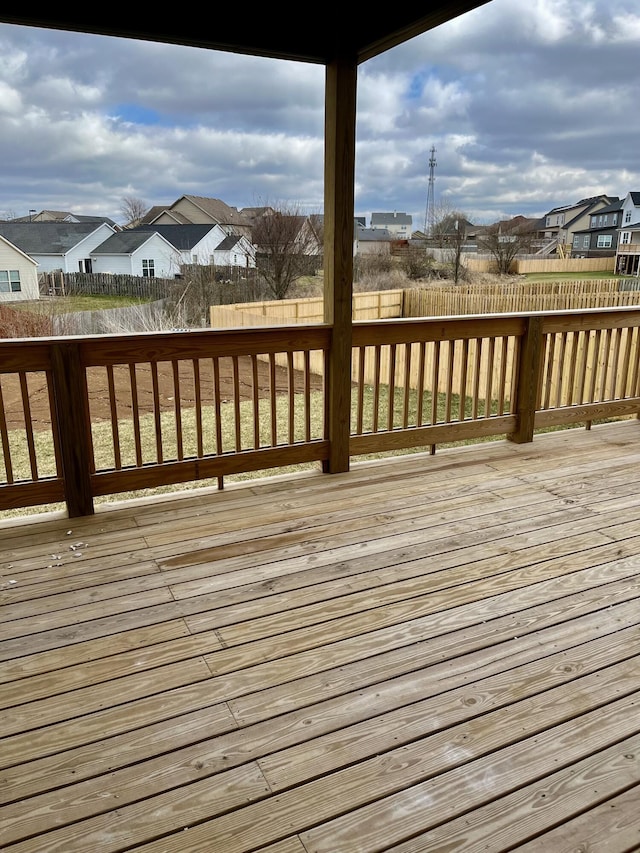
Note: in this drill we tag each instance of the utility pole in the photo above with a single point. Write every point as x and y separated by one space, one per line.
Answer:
429 215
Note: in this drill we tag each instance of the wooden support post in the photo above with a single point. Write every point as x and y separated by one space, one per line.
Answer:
339 178
74 429
528 381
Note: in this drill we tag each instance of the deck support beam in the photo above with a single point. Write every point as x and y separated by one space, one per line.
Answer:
339 179
528 380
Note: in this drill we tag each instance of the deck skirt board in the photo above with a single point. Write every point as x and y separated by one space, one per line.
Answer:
425 653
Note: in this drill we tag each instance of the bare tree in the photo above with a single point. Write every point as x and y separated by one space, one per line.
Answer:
504 241
288 247
447 224
132 210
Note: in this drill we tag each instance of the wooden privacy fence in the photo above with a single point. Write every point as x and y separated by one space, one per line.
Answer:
511 297
81 417
542 265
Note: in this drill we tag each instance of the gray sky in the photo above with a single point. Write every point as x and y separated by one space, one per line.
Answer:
529 103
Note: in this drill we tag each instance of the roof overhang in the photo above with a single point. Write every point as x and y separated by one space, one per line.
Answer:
274 31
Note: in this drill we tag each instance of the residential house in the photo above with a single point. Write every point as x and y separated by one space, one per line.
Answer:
199 210
62 216
137 252
399 225
18 274
194 244
600 239
372 241
65 246
628 254
560 224
235 251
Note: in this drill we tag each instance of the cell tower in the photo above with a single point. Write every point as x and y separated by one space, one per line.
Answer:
430 213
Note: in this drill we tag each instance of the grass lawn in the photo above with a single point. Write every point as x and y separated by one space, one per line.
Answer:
568 276
70 304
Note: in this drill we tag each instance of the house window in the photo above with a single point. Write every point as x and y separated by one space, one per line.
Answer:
604 241
626 236
615 218
585 242
86 265
10 281
576 241
627 216
148 268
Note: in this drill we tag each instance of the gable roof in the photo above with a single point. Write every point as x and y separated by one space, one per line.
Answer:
62 216
154 211
264 32
584 202
635 198
47 238
610 208
393 216
216 209
125 242
18 249
182 237
228 243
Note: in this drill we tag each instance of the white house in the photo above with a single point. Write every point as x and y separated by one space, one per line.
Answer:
195 244
399 225
235 251
628 254
18 274
141 253
65 246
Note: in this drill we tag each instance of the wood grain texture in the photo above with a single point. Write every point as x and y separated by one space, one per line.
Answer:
424 653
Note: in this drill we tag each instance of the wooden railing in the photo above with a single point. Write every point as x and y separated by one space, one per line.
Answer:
119 413
82 417
629 248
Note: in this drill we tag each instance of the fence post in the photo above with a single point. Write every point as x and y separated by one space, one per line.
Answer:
528 380
74 428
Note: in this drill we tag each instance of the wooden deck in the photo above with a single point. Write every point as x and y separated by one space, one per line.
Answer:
427 654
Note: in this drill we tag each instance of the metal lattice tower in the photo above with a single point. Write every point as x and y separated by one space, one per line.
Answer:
429 216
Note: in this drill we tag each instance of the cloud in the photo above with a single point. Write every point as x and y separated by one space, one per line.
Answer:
529 105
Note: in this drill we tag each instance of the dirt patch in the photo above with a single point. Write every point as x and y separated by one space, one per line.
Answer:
168 389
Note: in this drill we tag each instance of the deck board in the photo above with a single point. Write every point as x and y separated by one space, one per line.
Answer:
427 653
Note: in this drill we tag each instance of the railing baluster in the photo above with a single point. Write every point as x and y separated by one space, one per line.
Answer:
256 401
605 364
449 391
391 399
197 393
307 395
488 404
376 388
115 429
291 394
274 399
236 403
502 381
4 438
626 361
361 374
407 383
595 361
156 411
476 377
420 382
613 381
135 411
464 368
177 408
435 383
28 425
